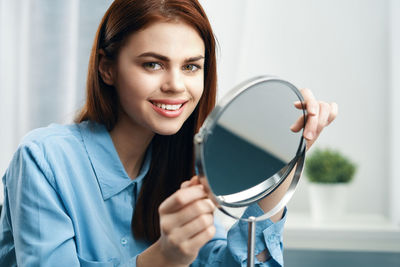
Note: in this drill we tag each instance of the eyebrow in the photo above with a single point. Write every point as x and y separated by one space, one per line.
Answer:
164 58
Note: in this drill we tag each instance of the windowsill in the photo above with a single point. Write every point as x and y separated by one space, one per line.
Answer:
362 232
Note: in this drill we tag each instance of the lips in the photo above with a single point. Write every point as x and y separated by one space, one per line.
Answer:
167 107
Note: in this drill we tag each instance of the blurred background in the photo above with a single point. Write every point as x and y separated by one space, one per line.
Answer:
347 51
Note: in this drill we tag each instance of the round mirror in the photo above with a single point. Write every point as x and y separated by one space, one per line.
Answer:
245 149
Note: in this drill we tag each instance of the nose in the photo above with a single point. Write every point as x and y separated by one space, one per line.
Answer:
173 82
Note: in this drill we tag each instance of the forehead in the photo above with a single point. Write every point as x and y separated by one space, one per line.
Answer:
172 39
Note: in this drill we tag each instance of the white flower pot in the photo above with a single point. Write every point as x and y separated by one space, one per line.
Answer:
328 201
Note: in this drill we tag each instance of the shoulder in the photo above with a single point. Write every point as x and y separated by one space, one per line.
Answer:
58 136
54 133
49 150
52 145
40 146
59 144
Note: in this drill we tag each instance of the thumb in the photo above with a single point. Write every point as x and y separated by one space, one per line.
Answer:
193 181
185 184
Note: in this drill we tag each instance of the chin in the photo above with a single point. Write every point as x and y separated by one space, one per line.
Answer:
167 127
165 131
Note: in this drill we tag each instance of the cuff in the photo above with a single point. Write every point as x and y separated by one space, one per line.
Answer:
267 235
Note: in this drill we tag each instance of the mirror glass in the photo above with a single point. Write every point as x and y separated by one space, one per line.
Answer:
247 148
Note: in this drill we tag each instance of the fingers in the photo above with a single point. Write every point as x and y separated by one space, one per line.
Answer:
333 107
312 108
194 234
192 228
324 111
181 198
319 115
171 221
190 247
311 104
333 113
311 126
200 239
198 225
298 125
186 221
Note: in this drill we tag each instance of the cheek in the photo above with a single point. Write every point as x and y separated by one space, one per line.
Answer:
134 85
197 88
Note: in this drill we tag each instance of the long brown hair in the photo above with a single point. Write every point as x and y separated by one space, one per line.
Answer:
172 156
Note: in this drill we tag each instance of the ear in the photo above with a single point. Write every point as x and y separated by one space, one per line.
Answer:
106 68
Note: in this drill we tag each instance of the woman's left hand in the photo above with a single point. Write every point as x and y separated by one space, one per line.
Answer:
319 115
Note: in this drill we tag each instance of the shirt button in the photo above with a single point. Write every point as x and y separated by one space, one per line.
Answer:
124 241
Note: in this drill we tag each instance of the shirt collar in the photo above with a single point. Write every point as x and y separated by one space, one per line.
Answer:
109 171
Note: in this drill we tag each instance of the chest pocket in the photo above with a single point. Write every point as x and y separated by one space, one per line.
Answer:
87 263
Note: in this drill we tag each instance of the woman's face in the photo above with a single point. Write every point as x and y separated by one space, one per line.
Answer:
160 76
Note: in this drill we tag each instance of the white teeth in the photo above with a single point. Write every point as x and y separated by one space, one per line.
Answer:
168 107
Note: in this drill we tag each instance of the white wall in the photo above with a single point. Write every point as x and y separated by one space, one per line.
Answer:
394 111
339 49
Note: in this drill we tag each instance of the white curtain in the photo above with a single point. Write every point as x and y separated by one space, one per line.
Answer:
44 52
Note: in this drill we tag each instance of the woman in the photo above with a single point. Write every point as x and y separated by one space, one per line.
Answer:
114 189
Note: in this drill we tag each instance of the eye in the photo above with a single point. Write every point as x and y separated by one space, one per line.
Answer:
152 66
191 67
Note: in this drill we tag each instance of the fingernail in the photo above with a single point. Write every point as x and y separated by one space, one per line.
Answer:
296 103
309 135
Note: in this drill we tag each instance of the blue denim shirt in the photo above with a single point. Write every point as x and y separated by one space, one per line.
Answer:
69 202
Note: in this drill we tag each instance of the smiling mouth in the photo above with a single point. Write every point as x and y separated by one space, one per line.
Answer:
167 106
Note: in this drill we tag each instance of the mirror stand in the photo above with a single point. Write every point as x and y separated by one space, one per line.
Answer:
298 168
251 241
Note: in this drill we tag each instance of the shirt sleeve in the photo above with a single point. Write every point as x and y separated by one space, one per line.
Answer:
231 249
43 232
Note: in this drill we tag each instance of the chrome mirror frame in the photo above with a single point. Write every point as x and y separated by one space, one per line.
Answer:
263 189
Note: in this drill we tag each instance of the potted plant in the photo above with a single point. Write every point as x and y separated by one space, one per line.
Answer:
329 173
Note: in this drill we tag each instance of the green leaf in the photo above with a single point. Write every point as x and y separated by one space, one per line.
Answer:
329 166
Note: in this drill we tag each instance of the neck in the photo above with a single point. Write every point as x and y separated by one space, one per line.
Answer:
130 141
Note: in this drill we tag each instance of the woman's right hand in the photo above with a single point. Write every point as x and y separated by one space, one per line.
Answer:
186 222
